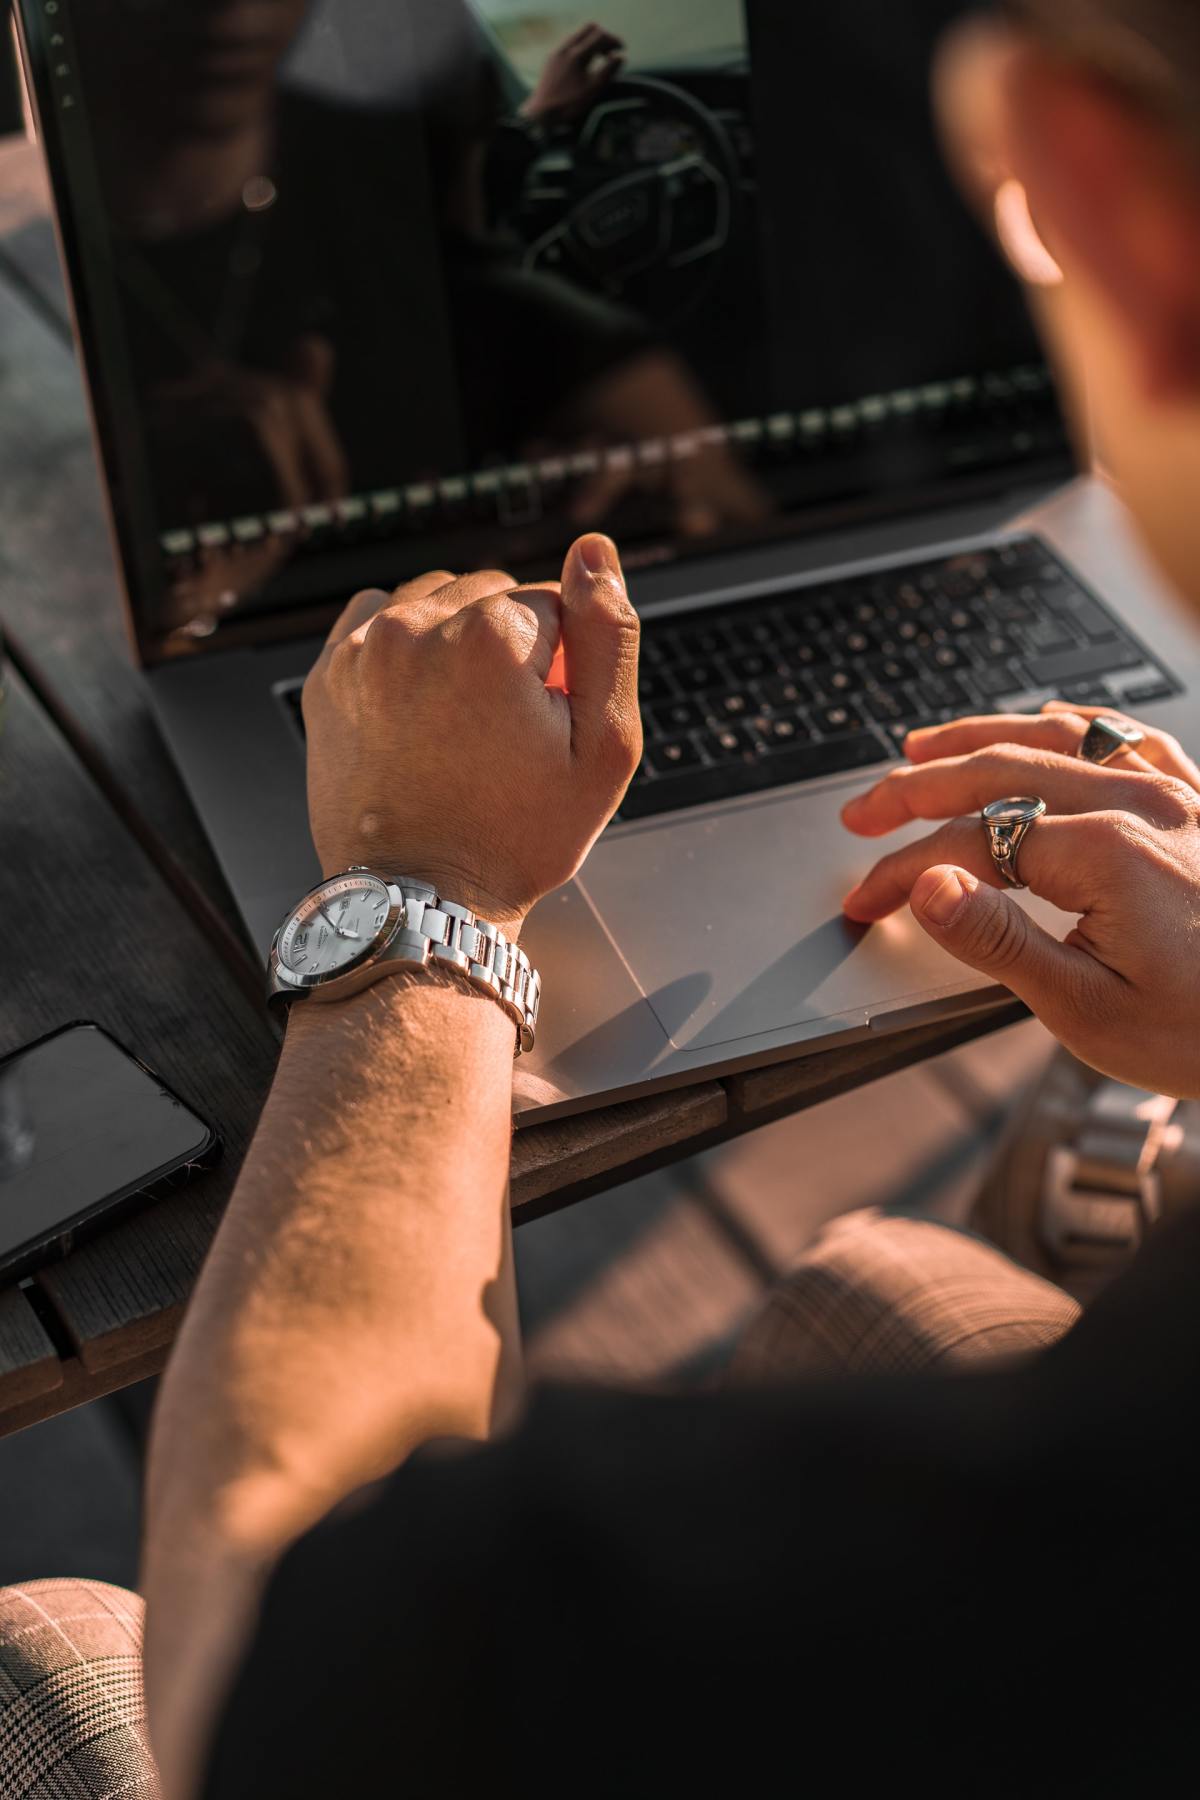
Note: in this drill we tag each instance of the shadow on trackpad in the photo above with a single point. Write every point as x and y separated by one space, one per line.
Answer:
743 907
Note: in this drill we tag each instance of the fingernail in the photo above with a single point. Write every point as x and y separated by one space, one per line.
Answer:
598 554
943 905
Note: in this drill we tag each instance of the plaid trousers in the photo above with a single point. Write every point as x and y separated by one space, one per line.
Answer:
873 1294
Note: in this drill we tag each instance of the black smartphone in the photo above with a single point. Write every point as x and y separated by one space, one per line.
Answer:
86 1131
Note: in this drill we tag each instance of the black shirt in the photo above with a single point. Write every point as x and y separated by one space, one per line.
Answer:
971 1585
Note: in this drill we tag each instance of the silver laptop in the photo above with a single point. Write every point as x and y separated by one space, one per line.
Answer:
369 287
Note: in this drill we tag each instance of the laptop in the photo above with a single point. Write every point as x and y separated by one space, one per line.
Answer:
371 287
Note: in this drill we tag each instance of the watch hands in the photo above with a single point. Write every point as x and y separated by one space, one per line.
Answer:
337 928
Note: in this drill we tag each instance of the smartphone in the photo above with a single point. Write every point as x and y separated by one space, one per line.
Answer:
86 1132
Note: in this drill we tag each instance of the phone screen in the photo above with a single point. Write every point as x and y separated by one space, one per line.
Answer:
82 1126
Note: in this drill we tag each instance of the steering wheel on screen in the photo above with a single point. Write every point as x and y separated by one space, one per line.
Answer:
638 200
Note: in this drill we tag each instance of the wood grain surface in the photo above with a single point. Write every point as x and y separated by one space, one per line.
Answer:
548 1161
125 954
30 1367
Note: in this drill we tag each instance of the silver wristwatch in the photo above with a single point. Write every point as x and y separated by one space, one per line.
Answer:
355 928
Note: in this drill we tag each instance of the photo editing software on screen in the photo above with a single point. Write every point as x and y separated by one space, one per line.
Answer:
384 284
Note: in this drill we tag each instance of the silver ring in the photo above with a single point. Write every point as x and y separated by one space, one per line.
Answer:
1106 738
1006 822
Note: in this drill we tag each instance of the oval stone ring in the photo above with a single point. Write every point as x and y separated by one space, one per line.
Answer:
1106 738
1006 822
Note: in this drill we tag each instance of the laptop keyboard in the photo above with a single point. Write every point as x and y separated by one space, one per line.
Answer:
830 677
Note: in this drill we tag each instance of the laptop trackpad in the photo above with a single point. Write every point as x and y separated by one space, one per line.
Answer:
740 911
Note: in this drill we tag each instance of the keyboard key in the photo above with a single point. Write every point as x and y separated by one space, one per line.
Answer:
782 693
760 632
695 677
936 692
675 754
700 643
730 741
1147 691
733 704
1025 700
888 671
1081 660
804 763
676 715
1048 636
781 731
995 646
831 685
750 666
1082 610
882 705
836 719
807 654
1087 693
1010 609
653 686
991 683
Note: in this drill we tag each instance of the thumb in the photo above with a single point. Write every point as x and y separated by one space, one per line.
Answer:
600 633
988 931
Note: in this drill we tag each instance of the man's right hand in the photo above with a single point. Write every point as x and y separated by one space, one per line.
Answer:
576 74
1119 847
437 750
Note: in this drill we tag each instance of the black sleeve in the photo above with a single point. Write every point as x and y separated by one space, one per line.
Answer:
984 1584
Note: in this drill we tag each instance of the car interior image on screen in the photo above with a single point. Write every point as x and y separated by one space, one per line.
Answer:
392 284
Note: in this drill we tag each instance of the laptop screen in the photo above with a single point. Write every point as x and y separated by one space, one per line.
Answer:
373 286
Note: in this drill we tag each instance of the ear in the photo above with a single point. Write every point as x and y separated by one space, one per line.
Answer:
1116 200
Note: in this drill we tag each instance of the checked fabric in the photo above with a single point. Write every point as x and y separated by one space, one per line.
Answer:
72 1712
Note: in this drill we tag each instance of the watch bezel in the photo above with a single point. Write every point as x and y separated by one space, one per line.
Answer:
291 984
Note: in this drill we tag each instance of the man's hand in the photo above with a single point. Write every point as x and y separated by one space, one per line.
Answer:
437 750
576 74
1120 845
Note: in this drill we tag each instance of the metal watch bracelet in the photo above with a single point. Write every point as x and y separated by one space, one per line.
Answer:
421 930
440 932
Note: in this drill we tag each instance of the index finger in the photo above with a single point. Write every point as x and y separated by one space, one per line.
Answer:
1058 732
545 603
1059 858
370 601
961 784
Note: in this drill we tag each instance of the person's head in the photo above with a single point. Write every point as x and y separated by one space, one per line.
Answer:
1092 108
191 68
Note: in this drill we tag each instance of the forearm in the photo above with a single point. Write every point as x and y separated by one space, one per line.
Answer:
358 1301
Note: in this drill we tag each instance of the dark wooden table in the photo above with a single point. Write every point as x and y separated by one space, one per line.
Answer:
146 943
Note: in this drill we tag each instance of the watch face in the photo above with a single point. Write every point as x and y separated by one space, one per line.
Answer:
334 928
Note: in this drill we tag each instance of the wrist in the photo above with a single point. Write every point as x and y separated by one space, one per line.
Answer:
400 1006
447 883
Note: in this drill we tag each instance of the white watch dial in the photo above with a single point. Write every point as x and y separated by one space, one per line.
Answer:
335 927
